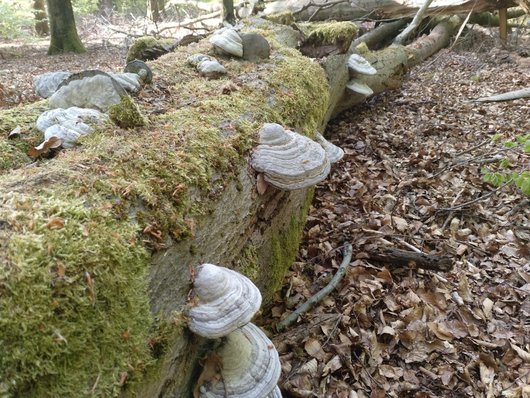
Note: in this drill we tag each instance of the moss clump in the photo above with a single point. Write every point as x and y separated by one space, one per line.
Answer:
282 18
140 45
248 263
126 114
73 315
302 92
329 32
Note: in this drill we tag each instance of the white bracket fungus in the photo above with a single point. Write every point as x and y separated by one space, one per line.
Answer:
226 41
250 367
68 124
359 87
333 152
196 59
360 65
289 160
227 301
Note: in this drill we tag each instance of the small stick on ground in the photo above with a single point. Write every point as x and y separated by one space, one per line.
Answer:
316 298
394 258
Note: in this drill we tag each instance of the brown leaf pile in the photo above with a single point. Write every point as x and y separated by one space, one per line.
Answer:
411 179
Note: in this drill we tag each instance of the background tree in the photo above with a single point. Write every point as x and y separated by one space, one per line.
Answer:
41 19
105 7
228 12
64 37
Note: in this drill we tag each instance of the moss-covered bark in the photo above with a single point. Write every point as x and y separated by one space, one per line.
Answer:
92 239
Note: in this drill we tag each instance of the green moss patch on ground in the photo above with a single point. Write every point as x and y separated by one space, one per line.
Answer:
136 51
13 152
76 230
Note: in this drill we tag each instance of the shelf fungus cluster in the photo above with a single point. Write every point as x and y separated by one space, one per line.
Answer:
359 65
250 46
207 66
69 124
247 360
288 160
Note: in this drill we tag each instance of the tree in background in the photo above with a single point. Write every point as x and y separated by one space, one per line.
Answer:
64 37
228 12
105 7
41 19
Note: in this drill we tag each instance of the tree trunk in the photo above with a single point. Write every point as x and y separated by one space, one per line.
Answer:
155 11
64 36
228 12
105 7
41 19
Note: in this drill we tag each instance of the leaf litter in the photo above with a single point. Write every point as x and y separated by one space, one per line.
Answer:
411 179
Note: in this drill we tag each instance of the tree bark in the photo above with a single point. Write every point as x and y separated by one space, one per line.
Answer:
64 37
41 19
155 10
228 12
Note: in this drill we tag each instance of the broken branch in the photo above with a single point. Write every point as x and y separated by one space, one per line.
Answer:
316 298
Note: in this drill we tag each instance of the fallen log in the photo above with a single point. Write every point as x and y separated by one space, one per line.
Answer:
378 9
96 243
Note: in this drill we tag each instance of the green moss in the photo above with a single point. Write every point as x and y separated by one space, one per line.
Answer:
302 92
282 18
136 51
13 152
329 32
362 48
285 246
73 316
74 309
248 263
126 114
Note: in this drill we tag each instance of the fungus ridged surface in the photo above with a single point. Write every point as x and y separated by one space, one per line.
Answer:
227 301
333 152
289 160
196 59
250 366
360 65
276 393
227 41
69 124
359 87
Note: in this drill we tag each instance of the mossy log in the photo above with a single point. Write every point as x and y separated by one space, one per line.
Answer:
96 243
391 63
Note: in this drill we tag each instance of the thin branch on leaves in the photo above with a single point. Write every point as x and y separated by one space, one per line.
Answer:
321 294
483 197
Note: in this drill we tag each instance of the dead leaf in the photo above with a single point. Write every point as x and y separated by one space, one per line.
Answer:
52 142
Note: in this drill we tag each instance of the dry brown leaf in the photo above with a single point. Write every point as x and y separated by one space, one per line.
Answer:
52 142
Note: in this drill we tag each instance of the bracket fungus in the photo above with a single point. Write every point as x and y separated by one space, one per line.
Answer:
211 69
359 87
227 301
250 367
333 152
360 65
289 160
226 41
196 59
68 124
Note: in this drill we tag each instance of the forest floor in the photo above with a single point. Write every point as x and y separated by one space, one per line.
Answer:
410 179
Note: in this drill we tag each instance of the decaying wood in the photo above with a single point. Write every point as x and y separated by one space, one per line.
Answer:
376 9
509 96
395 258
403 36
319 296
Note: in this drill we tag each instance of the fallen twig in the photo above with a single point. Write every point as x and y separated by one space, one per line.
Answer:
316 298
394 258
